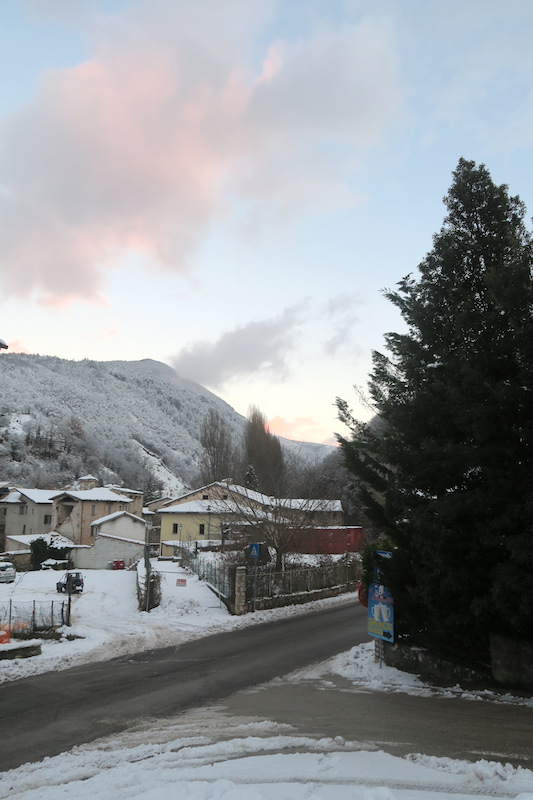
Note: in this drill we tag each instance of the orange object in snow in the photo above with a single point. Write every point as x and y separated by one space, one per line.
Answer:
5 637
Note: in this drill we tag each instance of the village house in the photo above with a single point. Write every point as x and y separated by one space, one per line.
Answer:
118 540
74 511
24 512
214 511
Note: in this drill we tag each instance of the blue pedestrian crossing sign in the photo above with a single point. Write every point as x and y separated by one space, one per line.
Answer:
253 550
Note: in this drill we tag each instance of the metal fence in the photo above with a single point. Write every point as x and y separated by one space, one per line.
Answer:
265 583
218 575
33 616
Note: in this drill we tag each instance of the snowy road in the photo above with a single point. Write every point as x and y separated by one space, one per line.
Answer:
43 716
255 744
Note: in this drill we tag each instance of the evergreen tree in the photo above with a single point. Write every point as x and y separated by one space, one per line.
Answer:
250 479
447 475
39 552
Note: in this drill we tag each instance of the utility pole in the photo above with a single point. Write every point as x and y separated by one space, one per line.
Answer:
148 567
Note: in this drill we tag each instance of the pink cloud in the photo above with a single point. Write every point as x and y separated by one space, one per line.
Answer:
145 145
300 429
271 65
16 346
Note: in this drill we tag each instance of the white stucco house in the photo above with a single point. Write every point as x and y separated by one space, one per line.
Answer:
117 537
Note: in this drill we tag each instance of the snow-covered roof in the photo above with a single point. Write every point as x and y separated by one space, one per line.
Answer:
38 495
17 494
122 489
114 516
12 497
303 504
100 493
203 507
53 539
250 494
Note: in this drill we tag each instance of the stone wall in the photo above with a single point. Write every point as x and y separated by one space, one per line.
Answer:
512 661
419 661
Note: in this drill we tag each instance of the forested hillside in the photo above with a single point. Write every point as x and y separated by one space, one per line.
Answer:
136 422
131 422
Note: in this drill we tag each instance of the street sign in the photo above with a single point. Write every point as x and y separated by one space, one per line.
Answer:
254 550
377 571
380 612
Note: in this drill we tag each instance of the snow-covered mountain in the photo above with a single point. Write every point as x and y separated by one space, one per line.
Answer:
136 422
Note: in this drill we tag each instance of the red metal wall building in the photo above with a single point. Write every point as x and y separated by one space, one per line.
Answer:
331 540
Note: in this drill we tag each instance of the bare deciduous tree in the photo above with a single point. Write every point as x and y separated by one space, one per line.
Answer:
218 449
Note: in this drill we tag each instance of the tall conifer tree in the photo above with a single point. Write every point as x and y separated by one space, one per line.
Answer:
448 475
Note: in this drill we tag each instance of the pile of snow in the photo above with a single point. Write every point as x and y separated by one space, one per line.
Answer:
267 767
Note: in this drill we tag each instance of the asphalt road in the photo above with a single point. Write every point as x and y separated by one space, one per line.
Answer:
395 722
48 714
217 682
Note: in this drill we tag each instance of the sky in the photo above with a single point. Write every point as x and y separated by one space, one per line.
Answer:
228 187
207 753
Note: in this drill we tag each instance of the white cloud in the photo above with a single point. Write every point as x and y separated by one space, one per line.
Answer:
340 313
257 347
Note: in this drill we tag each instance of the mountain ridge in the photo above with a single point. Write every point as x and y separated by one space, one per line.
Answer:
135 422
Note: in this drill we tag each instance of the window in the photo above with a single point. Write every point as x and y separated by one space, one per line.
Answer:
224 496
201 529
2 528
23 529
3 512
175 527
205 497
93 510
47 519
22 509
109 508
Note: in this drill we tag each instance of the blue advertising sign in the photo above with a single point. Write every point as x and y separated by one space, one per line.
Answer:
380 612
253 550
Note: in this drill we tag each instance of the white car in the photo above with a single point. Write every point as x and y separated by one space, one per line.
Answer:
8 573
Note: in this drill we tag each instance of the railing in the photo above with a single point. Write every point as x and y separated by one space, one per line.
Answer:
220 577
269 586
266 583
33 616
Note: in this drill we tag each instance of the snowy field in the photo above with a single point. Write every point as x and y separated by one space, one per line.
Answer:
249 761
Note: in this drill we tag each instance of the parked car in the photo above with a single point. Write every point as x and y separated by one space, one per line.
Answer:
8 573
72 577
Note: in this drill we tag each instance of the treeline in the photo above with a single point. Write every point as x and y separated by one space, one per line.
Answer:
258 461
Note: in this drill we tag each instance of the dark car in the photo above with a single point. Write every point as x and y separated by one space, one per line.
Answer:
71 580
